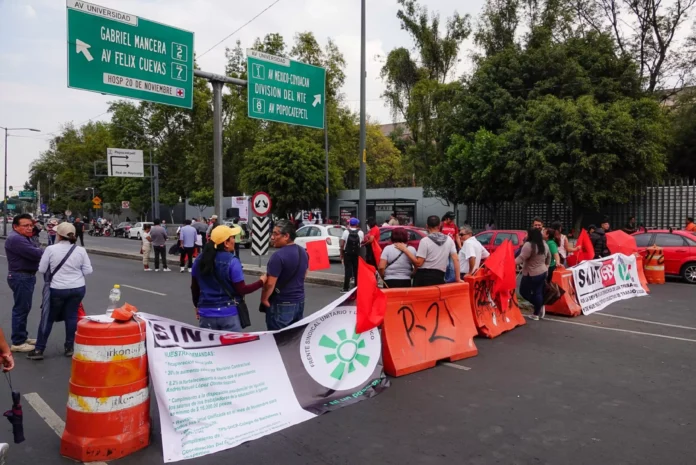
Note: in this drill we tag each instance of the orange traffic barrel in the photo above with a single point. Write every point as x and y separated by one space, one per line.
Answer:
108 414
654 266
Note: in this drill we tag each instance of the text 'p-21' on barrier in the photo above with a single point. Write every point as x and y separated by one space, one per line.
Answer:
424 325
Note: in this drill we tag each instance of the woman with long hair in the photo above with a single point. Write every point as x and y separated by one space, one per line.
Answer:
395 267
217 282
553 240
564 247
65 266
535 259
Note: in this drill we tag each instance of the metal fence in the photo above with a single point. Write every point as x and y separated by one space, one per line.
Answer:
658 206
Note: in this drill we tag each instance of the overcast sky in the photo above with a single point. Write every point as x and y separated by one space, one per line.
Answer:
33 88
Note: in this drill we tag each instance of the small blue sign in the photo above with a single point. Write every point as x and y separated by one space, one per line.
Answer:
44 208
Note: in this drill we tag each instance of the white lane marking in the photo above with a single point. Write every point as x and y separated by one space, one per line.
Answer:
645 321
143 290
621 330
49 416
454 365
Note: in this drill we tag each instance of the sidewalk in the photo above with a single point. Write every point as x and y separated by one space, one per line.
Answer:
313 277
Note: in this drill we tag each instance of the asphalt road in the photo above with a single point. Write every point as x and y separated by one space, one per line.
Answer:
133 246
597 389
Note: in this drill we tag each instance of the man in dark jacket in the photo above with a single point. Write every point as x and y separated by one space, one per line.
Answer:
599 241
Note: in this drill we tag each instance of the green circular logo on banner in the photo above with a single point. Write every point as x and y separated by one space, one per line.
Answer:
336 357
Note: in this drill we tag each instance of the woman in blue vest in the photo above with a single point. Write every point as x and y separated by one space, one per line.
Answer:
217 284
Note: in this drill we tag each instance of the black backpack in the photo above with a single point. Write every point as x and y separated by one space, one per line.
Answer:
353 243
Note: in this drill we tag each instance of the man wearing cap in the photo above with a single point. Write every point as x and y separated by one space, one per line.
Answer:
350 251
23 257
211 226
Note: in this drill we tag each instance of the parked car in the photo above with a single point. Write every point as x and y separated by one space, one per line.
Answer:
122 228
414 235
490 240
319 232
679 248
135 232
246 232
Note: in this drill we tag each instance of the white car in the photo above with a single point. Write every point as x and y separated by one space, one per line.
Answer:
135 232
330 233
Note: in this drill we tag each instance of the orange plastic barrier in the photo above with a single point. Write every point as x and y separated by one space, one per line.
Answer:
654 265
492 316
568 304
423 325
108 414
641 272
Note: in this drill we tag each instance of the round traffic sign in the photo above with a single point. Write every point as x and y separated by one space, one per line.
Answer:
261 204
10 187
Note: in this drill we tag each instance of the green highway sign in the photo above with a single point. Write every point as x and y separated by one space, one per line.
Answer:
27 195
11 206
117 53
284 90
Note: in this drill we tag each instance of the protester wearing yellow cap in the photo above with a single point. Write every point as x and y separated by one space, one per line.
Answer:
217 283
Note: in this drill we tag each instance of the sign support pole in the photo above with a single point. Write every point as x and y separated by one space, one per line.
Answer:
4 199
156 191
362 202
326 149
218 81
217 148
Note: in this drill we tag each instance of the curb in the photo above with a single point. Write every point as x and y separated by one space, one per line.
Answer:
313 277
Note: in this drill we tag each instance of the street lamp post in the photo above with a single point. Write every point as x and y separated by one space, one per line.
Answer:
4 203
94 213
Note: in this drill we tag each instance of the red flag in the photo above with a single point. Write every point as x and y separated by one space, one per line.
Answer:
371 302
501 264
318 255
587 252
376 251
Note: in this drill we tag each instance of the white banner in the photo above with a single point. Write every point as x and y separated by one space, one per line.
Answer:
243 204
216 390
601 282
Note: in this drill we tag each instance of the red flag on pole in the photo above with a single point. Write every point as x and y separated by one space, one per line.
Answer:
587 252
371 302
501 264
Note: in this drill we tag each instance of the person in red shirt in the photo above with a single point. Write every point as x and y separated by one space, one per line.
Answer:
372 236
449 228
690 225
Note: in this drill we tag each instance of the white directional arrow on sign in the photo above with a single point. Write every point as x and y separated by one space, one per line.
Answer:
317 100
83 48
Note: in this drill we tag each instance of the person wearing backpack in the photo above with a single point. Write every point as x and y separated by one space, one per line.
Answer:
350 251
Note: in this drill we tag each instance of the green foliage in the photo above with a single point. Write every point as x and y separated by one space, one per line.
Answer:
291 171
202 198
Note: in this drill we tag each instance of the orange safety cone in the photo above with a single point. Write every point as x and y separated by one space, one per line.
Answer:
108 414
654 265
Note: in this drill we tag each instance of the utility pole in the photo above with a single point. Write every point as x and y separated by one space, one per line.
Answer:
4 200
362 203
218 81
326 149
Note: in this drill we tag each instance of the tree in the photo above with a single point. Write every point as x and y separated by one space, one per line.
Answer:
291 171
585 153
647 30
415 87
202 198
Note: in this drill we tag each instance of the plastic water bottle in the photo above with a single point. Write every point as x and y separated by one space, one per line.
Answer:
114 298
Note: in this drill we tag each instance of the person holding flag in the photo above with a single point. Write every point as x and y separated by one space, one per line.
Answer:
373 250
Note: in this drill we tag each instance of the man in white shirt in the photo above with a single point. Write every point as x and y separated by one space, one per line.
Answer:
432 258
472 251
